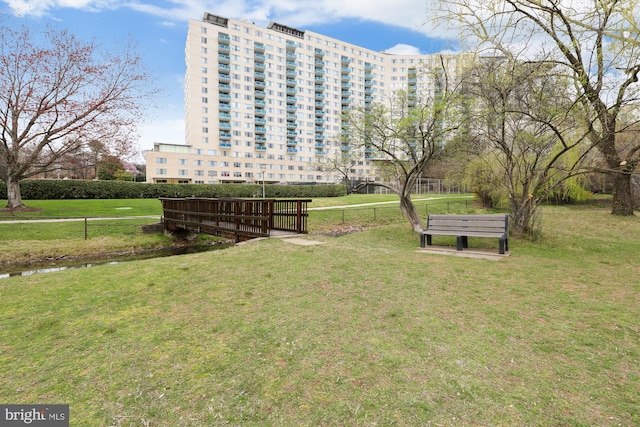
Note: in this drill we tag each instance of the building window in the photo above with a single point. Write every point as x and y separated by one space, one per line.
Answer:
161 171
183 172
161 160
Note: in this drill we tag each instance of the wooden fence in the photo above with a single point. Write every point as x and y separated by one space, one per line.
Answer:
240 219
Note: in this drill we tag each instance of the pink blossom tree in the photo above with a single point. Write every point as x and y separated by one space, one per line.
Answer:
57 94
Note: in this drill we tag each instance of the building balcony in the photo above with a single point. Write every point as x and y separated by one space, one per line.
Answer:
291 65
368 90
261 130
224 97
320 153
260 120
291 46
320 79
292 142
320 104
320 96
320 120
224 48
291 82
345 77
259 66
290 56
261 139
292 134
319 53
346 86
319 113
345 70
291 107
225 144
259 84
320 88
224 88
258 47
224 68
292 117
258 75
260 94
319 72
292 99
259 57
292 91
222 77
224 106
346 93
260 103
345 147
368 76
291 125
345 60
291 73
260 147
319 139
224 125
260 112
320 63
292 150
225 116
224 39
320 129
223 59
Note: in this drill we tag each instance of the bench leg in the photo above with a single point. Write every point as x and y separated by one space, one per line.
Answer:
422 236
428 239
503 245
465 242
459 242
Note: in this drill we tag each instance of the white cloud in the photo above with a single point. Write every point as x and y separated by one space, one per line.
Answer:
411 14
403 49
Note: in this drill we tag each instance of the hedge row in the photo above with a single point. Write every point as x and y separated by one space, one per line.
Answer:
72 189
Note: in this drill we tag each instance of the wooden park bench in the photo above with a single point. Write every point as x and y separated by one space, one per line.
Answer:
465 226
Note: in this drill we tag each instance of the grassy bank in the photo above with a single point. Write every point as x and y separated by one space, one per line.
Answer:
360 330
33 241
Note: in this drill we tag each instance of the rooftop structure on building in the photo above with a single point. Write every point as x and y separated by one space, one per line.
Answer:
266 104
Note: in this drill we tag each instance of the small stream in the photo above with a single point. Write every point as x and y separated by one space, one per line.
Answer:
62 264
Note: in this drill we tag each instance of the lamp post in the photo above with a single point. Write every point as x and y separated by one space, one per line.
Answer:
263 167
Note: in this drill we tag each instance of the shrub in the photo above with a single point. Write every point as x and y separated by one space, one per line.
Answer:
41 189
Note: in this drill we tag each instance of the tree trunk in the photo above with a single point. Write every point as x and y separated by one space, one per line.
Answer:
411 213
522 215
14 196
622 203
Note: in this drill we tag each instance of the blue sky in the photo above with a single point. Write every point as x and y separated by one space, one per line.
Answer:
160 28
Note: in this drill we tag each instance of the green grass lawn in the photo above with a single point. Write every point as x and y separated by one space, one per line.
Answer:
360 330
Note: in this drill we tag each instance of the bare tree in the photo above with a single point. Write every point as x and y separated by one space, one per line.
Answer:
342 161
403 137
525 145
56 94
595 43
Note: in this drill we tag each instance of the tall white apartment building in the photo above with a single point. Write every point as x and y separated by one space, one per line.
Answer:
266 103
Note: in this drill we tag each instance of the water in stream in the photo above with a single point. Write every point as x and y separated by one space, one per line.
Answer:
59 265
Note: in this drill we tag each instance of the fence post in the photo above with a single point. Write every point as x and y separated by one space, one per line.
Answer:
86 231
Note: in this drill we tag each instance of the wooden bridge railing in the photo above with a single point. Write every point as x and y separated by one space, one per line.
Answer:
241 219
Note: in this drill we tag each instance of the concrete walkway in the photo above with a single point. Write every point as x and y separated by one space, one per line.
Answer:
325 208
24 221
